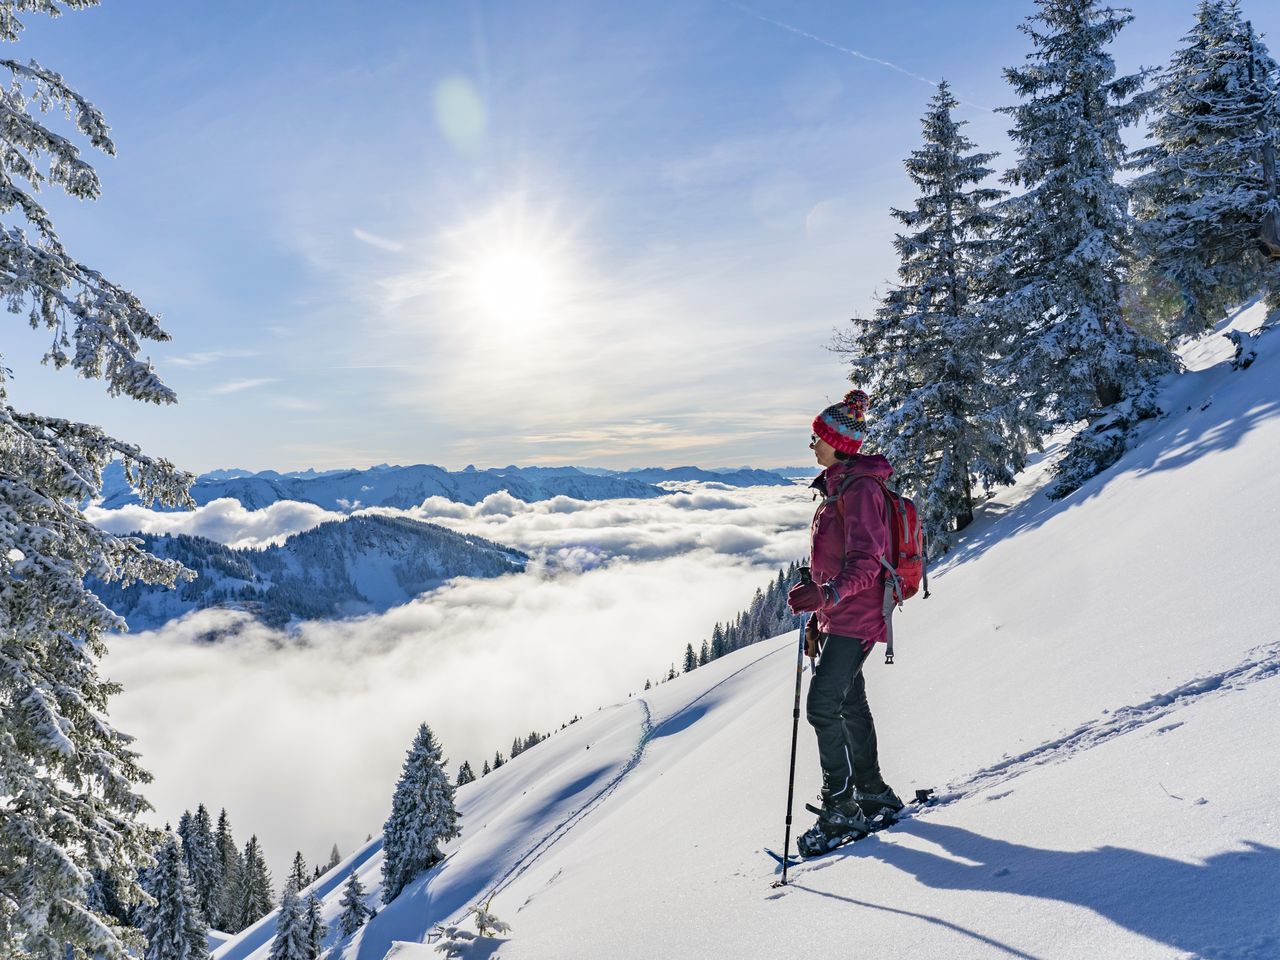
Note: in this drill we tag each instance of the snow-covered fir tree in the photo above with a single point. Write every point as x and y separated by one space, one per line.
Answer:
229 864
314 926
925 356
200 855
1208 184
704 654
297 872
486 769
354 910
291 940
335 858
422 816
69 781
173 925
253 896
690 659
465 773
498 759
1070 353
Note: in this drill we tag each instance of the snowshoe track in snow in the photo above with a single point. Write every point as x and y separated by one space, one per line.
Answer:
1262 664
648 731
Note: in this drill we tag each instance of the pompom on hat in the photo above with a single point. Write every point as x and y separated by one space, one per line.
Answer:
844 424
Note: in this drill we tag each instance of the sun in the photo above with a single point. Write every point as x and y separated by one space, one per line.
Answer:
512 273
512 288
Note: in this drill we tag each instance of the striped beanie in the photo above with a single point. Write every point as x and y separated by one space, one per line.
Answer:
844 424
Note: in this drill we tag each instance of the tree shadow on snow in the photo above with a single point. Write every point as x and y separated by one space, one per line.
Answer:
1220 907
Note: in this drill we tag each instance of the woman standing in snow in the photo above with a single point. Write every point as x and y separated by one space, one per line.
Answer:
848 537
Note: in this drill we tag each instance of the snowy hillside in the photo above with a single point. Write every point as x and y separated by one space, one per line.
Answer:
340 568
1094 689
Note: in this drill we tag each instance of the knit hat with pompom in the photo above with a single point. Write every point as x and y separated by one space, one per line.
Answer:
844 424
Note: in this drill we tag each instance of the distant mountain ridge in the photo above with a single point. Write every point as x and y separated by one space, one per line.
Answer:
405 487
364 564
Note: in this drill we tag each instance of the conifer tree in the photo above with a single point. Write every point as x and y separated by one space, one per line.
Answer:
690 658
297 872
291 941
465 773
717 642
253 898
69 781
354 910
486 769
517 747
173 925
422 816
200 857
704 654
925 356
1207 189
335 858
1070 353
498 759
314 927
229 865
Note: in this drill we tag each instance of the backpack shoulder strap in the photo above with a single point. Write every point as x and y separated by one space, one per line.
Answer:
838 496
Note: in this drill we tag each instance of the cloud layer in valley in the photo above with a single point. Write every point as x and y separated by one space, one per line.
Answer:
300 734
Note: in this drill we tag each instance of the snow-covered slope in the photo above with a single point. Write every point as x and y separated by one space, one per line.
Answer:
1094 688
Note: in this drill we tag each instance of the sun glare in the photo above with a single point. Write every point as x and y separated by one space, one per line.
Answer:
513 289
512 273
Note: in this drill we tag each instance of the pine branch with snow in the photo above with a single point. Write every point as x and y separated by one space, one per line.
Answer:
68 778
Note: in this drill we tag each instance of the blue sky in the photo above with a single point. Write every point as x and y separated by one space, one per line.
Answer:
564 232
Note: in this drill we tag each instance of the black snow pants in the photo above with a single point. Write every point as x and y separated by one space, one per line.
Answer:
838 711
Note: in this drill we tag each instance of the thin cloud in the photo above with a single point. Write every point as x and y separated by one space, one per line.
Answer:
847 50
207 357
373 240
235 386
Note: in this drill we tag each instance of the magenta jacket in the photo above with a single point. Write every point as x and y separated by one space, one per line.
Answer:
845 559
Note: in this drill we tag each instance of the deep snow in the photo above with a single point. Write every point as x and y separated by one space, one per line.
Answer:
1094 689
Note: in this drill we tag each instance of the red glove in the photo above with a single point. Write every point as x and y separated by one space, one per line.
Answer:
806 597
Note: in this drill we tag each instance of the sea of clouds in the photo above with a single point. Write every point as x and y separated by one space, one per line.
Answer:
300 734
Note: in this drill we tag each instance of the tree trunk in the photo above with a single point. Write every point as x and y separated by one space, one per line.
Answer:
1108 392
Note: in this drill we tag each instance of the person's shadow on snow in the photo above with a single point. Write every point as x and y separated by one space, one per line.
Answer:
1227 904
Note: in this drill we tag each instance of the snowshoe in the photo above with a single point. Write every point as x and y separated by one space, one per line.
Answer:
880 807
839 822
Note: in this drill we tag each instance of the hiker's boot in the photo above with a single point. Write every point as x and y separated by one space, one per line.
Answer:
882 805
839 821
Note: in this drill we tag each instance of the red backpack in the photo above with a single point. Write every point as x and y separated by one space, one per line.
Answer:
908 568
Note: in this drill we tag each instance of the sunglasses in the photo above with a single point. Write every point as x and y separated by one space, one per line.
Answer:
813 440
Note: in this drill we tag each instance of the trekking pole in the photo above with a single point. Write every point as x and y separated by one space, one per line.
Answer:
795 735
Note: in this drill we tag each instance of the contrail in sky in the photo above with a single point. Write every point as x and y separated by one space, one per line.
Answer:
853 53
